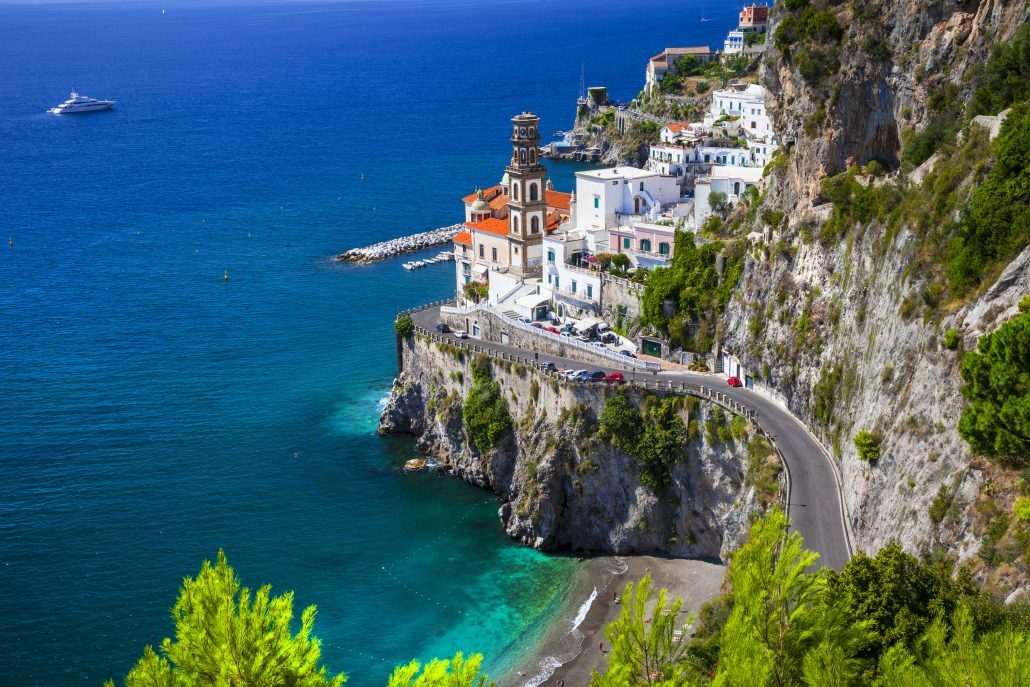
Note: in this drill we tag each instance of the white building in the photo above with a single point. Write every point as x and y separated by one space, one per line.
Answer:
603 195
734 43
605 200
732 181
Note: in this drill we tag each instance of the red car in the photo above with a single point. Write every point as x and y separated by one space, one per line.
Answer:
734 381
614 378
553 330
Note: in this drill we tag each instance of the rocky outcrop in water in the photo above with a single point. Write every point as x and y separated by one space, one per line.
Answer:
560 485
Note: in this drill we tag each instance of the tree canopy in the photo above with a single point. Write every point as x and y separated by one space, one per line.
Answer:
227 636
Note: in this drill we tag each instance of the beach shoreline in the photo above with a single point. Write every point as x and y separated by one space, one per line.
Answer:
568 651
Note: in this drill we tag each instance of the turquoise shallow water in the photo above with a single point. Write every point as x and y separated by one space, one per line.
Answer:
151 411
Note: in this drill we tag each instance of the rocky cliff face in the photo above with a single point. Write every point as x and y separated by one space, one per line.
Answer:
821 322
561 486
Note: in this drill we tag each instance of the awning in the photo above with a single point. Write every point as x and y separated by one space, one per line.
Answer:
480 269
586 324
532 300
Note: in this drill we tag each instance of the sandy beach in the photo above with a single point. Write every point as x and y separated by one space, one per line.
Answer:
696 581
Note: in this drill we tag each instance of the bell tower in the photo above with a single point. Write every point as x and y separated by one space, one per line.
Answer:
527 203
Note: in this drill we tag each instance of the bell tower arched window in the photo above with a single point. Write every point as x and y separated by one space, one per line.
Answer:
522 156
515 223
533 193
534 225
515 191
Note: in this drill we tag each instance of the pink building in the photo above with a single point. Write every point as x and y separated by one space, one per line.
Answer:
647 244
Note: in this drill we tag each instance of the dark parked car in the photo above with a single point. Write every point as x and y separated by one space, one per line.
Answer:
609 337
442 328
596 376
548 367
614 378
627 354
538 325
734 381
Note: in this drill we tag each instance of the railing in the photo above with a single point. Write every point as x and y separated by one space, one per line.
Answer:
703 392
628 283
440 303
607 353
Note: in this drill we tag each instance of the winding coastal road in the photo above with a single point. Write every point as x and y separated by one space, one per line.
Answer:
814 508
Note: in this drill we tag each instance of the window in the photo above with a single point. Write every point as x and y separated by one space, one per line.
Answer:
534 225
625 243
597 201
548 279
663 248
493 253
550 258
515 191
645 246
532 191
590 290
736 188
481 250
557 280
515 223
573 286
641 186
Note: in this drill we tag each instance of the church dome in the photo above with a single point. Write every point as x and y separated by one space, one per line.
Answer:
480 204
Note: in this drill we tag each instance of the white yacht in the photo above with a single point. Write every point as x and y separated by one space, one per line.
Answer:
80 103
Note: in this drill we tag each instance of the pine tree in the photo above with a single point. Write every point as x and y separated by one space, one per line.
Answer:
784 628
648 645
225 636
457 672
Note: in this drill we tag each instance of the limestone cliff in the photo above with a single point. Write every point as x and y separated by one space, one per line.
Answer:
561 486
832 325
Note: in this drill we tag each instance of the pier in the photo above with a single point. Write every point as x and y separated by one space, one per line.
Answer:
404 244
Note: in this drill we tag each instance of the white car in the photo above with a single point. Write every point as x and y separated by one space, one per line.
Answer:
461 334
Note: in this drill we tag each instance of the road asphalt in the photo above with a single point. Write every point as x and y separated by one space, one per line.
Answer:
814 509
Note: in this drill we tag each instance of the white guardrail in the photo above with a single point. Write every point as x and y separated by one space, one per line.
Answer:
605 352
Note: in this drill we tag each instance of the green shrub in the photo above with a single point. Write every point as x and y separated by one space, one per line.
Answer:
485 411
1022 509
404 326
995 224
868 445
940 504
621 423
1006 78
996 376
951 339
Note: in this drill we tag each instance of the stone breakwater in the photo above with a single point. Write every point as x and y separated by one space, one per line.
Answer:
404 244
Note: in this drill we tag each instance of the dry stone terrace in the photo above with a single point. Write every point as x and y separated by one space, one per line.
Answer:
814 498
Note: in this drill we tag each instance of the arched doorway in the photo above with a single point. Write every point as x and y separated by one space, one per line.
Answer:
636 205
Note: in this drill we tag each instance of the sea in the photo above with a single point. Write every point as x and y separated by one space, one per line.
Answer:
183 367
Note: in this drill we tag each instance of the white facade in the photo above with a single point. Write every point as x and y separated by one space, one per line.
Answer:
733 181
734 43
604 194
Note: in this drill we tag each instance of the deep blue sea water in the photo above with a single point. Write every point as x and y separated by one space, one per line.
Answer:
150 411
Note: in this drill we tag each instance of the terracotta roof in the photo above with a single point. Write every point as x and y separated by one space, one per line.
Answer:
557 199
696 50
499 202
464 237
487 193
660 56
491 225
553 220
676 128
